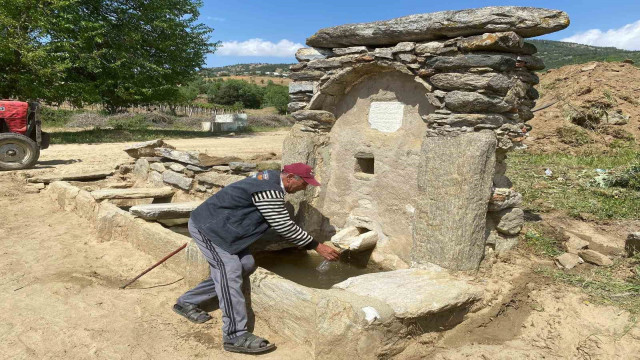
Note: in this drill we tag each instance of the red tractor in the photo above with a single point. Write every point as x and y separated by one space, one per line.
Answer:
21 136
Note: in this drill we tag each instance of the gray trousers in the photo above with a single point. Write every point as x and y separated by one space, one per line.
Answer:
228 275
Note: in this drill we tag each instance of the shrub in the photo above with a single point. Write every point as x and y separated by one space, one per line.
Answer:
128 122
87 120
572 135
269 121
57 117
629 178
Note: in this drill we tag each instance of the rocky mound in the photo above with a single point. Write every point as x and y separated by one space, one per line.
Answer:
596 104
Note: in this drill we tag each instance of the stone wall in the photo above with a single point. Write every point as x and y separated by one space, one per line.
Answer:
196 174
409 94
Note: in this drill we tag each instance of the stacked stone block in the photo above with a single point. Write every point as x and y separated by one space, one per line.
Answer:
476 68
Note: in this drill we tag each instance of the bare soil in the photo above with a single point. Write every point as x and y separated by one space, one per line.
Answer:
60 296
611 86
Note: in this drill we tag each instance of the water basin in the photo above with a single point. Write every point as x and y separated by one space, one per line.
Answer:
300 266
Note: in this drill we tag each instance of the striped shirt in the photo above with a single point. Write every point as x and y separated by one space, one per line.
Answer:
270 203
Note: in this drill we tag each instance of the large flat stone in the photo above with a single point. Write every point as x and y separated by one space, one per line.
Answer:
594 257
502 41
495 62
164 211
472 102
90 176
218 179
451 205
132 193
498 83
187 157
414 293
146 148
525 21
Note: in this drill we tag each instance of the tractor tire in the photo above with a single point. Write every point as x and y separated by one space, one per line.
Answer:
17 152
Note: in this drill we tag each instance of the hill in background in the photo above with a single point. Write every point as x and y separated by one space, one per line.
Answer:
275 70
557 54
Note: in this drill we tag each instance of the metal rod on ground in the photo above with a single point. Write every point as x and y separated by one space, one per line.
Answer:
545 106
154 266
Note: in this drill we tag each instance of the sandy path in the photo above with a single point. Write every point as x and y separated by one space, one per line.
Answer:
59 295
74 158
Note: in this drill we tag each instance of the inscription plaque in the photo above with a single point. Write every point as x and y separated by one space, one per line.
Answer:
386 116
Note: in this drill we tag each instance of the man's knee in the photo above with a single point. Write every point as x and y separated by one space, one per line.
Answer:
248 265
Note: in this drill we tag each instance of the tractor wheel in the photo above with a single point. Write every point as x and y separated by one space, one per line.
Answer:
17 152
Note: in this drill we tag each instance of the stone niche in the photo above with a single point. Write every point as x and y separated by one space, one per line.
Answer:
408 123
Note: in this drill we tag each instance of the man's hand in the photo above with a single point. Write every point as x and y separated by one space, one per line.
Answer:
328 252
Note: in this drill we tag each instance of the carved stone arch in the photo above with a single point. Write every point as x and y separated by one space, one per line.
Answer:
346 78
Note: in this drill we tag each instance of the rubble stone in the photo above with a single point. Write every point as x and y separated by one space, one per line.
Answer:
594 257
159 167
574 244
568 260
239 167
146 148
217 179
509 221
141 168
186 157
308 54
176 179
632 244
503 198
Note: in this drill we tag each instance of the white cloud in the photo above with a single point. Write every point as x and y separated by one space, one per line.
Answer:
626 37
215 18
259 47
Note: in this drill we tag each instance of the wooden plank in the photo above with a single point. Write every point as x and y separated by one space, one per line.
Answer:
164 211
132 193
90 176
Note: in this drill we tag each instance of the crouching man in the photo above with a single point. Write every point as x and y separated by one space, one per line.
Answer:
223 227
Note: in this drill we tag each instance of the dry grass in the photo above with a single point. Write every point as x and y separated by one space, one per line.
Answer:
259 80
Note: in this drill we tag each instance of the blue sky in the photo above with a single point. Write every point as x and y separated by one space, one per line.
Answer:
270 31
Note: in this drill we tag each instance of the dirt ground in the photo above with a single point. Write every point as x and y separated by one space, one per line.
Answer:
60 296
612 86
65 159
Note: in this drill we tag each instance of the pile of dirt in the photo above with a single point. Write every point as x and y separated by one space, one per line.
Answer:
596 104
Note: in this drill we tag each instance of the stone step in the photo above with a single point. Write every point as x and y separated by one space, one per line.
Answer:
132 193
164 211
46 179
414 293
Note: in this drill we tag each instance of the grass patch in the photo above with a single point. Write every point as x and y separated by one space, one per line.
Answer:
542 242
569 187
609 286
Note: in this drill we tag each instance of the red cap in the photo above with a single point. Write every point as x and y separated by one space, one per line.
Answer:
304 171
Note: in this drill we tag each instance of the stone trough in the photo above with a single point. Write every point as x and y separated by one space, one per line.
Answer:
366 316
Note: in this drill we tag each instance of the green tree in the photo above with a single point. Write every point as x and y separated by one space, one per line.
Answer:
233 91
277 96
118 52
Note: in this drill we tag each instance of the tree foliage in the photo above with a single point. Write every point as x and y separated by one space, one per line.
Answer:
115 52
276 96
233 91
